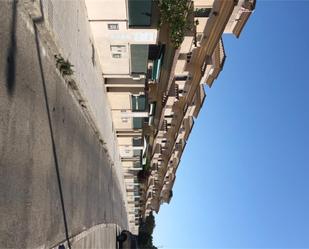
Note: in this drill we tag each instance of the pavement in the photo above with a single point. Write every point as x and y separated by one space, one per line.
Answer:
56 178
100 236
68 25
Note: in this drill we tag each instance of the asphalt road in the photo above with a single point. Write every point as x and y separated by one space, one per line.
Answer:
55 178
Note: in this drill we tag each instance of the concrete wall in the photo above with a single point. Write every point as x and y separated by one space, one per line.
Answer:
107 9
120 100
121 122
124 36
101 14
203 3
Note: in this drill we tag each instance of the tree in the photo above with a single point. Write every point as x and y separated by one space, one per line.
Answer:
145 239
174 13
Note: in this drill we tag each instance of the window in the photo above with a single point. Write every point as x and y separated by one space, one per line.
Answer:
137 141
137 153
118 51
113 26
137 122
124 120
138 103
118 48
116 56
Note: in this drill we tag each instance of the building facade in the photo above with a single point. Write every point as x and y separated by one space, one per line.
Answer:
156 90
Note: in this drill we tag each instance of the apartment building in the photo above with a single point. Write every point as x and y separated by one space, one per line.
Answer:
155 90
198 61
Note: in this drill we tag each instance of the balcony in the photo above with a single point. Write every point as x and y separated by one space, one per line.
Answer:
201 16
161 134
157 152
181 134
190 110
239 17
183 82
187 43
188 124
199 100
156 53
180 64
214 65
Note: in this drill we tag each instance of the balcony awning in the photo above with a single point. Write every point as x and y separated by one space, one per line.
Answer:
156 68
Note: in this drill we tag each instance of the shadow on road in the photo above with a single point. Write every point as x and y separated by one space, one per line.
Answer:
36 21
10 65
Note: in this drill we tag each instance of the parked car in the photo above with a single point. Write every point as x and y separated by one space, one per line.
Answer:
127 240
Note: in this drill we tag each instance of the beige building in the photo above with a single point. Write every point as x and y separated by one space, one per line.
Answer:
198 61
156 91
123 29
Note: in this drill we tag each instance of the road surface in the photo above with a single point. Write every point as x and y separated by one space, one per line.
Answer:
55 178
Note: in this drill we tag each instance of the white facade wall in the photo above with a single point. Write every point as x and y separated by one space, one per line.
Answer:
120 100
106 9
234 18
203 3
102 15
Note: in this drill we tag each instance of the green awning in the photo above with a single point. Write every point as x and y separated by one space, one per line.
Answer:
156 68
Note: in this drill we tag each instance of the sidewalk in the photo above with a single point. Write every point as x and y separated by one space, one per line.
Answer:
56 177
100 236
66 29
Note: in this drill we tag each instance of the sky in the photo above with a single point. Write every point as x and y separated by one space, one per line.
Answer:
243 181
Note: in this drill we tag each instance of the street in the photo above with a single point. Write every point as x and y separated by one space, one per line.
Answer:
56 180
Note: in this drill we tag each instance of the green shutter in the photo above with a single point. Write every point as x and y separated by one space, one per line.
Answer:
139 12
134 103
155 74
139 103
154 70
142 103
139 58
137 123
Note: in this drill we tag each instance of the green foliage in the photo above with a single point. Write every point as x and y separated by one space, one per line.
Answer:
145 239
147 166
64 66
150 223
143 175
202 12
174 13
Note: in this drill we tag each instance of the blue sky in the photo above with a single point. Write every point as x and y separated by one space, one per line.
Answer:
243 181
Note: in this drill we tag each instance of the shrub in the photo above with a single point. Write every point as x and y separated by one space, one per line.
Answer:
174 14
145 239
64 66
